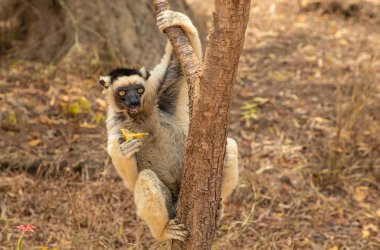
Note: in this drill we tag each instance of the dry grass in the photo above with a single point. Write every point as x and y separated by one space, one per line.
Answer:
310 159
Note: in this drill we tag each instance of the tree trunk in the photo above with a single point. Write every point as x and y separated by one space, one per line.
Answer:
47 30
210 92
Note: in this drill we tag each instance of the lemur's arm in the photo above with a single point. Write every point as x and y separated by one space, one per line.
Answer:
172 92
167 19
170 18
123 156
158 72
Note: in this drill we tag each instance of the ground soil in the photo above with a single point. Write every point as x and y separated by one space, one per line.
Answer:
305 114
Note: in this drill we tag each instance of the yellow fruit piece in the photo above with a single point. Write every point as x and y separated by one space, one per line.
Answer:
128 135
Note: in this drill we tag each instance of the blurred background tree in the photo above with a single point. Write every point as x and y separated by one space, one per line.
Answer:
53 31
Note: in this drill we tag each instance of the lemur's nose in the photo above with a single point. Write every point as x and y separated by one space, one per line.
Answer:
132 99
135 102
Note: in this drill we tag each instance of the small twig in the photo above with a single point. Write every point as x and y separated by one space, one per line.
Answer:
77 25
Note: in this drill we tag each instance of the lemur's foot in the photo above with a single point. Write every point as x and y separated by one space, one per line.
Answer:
130 147
175 230
219 214
170 18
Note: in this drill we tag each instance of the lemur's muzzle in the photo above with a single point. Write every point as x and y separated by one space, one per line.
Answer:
133 109
132 103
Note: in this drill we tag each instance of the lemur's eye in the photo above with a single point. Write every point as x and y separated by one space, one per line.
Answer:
140 90
121 93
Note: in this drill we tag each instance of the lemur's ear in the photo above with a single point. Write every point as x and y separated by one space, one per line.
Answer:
144 73
105 81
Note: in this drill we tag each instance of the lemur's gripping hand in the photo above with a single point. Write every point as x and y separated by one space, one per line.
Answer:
170 18
175 230
128 148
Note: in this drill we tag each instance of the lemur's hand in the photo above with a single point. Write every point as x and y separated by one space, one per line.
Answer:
129 148
176 231
170 18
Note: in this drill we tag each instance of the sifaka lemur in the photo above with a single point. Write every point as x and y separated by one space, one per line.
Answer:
156 103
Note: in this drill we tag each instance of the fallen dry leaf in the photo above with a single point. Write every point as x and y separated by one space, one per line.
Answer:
334 248
261 100
87 125
371 227
278 76
46 120
35 142
361 193
368 229
343 42
365 233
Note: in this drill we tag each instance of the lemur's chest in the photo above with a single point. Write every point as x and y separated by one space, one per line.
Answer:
164 144
162 151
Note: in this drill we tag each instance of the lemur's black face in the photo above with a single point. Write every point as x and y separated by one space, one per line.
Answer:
125 88
129 97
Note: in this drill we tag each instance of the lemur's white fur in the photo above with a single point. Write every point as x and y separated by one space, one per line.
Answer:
153 196
126 166
231 170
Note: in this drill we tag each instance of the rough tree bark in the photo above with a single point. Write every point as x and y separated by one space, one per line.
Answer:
210 94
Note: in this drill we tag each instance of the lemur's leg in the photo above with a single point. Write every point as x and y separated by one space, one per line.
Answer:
122 155
170 18
126 165
154 205
230 171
